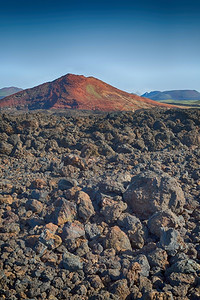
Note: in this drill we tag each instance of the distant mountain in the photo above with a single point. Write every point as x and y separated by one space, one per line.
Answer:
173 95
7 91
77 92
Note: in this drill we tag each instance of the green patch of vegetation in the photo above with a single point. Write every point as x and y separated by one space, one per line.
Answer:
195 103
91 90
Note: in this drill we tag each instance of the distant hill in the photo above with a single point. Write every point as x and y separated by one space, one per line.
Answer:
173 95
7 91
77 92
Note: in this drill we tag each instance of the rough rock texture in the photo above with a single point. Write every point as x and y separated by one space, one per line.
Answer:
85 207
117 240
164 219
153 191
100 205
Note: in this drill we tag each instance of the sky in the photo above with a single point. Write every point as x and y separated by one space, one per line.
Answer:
137 46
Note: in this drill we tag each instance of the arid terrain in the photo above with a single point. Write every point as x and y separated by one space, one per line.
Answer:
77 92
100 205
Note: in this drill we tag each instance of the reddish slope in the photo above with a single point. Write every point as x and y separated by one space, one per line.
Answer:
78 92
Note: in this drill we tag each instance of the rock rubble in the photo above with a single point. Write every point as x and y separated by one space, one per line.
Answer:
100 205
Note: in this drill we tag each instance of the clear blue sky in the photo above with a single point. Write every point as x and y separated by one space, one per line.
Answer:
136 46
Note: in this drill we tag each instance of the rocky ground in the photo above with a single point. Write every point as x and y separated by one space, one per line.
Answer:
100 206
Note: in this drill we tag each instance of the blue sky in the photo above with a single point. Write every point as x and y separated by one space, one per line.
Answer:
136 46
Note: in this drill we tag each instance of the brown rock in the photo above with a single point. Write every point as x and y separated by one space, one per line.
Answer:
52 183
75 161
34 205
89 150
117 240
5 148
145 284
85 207
133 273
163 219
82 247
7 199
120 289
181 291
51 240
134 229
135 292
158 258
71 193
150 192
111 209
194 293
66 212
7 186
95 282
50 257
73 230
181 278
154 295
38 183
51 227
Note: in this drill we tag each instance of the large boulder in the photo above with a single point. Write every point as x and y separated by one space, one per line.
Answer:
154 191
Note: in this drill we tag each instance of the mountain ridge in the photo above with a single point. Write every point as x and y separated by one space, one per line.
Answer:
7 91
173 95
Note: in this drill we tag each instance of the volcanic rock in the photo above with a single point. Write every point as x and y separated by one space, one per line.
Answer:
111 209
85 207
65 212
100 205
150 192
73 230
34 205
5 148
49 239
120 289
117 240
71 262
134 229
171 241
144 264
163 219
158 258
